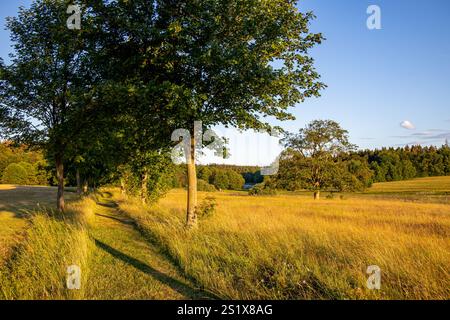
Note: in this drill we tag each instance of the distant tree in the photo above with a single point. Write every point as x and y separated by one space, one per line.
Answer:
204 173
220 179
235 180
205 186
313 154
31 172
15 174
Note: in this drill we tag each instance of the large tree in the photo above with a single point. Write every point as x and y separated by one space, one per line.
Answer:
312 159
231 62
41 89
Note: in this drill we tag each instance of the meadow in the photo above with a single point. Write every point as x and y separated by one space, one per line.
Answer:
287 246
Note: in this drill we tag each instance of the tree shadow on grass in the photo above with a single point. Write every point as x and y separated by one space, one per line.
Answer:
127 222
109 204
175 284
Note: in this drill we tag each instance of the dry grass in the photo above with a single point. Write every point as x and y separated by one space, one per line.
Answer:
289 247
16 206
38 266
278 247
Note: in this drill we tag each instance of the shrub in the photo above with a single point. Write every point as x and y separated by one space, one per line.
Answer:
262 189
15 174
202 185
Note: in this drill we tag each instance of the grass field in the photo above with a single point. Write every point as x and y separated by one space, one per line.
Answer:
16 205
290 247
280 247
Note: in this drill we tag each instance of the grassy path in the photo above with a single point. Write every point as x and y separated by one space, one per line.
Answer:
124 265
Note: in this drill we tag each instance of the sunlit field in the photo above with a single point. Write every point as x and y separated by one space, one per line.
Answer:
16 205
287 246
291 247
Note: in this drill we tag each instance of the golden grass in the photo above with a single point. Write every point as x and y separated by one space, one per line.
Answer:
16 206
38 266
289 247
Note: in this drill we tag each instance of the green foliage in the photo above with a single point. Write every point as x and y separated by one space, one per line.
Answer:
202 185
262 189
15 174
226 179
31 172
394 164
31 160
159 171
312 160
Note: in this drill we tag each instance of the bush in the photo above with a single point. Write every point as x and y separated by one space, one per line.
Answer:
207 207
262 189
202 185
15 174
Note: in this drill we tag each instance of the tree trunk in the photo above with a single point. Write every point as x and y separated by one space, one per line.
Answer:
191 218
79 191
316 195
144 189
60 177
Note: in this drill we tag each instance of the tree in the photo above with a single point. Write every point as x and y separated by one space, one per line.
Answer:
31 172
236 180
221 65
220 179
314 153
15 174
39 90
219 62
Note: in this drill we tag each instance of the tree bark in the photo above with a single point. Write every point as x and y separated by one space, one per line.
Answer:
316 195
60 176
79 190
144 189
191 217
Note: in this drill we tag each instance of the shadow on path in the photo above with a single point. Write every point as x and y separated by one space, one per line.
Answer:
127 222
175 284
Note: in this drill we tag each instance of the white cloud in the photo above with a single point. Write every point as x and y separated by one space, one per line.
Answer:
407 125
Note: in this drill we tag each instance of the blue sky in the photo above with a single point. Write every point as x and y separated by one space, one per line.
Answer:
376 78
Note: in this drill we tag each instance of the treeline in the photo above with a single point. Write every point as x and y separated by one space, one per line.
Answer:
18 165
393 164
216 177
320 158
356 171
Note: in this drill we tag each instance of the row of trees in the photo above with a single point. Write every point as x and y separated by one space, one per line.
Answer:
103 100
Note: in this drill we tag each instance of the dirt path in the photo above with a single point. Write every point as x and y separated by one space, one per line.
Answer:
125 266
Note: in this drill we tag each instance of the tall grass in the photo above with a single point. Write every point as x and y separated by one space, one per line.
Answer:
38 266
287 247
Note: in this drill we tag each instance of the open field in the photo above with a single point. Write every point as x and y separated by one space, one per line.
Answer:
16 206
290 247
278 247
430 185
